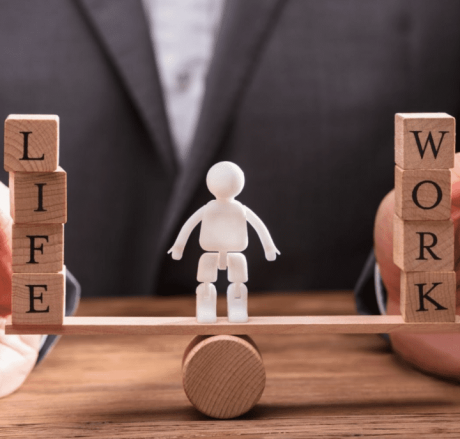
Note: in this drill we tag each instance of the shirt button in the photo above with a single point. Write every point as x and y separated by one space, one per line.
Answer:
183 81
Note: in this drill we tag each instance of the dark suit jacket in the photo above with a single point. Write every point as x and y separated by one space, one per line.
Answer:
300 94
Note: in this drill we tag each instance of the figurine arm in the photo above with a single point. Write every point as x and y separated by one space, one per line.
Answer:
178 248
264 235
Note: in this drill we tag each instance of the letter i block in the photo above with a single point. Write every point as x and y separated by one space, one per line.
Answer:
31 143
38 298
423 194
428 296
38 198
423 245
424 140
38 248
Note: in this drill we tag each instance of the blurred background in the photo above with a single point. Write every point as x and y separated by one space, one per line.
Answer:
300 94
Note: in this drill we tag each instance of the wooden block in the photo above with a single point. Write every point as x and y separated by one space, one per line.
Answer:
423 245
423 194
31 143
38 248
424 140
428 296
38 198
38 298
223 376
282 325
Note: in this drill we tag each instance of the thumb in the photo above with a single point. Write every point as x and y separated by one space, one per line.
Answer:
18 353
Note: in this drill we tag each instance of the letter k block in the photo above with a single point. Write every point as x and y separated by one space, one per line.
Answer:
428 296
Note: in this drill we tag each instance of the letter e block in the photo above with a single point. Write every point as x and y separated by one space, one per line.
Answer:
38 248
423 194
31 143
38 298
424 140
423 245
38 198
428 296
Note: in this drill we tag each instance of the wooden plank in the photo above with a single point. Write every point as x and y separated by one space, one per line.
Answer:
428 296
38 248
38 197
31 143
256 325
423 245
423 194
424 140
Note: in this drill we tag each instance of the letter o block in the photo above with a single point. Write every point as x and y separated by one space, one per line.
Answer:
38 298
423 195
31 143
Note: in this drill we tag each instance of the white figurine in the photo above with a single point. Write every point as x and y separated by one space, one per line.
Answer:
224 234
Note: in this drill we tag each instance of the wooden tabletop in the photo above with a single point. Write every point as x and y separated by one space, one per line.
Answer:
318 385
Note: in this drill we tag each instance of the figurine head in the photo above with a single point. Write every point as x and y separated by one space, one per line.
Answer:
225 180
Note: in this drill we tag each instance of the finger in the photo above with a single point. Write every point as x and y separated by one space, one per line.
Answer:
5 263
383 246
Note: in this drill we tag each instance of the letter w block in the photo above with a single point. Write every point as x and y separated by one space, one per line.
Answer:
424 140
428 296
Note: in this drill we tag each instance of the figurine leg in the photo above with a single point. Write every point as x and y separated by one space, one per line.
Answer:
237 292
206 293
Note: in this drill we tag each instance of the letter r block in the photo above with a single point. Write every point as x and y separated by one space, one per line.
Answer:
38 198
428 296
31 143
423 245
38 298
424 140
38 248
423 194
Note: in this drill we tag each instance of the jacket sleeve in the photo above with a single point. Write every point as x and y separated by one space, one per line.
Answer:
370 293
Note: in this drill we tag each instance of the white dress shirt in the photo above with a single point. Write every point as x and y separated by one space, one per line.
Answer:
183 33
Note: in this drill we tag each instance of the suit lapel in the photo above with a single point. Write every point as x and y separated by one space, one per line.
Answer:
246 26
123 32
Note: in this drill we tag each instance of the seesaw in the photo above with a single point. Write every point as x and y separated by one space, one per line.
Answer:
223 371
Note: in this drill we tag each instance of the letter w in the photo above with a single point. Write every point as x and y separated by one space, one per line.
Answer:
429 139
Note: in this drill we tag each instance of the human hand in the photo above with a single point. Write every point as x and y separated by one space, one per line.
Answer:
437 354
18 353
176 251
271 252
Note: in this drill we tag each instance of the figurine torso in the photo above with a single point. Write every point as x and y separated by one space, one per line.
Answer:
224 227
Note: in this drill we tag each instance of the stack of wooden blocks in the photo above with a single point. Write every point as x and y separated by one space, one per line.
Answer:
423 241
38 201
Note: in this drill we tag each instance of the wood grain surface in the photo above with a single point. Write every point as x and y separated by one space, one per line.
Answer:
318 385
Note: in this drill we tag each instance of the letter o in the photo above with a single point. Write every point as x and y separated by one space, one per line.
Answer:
415 194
